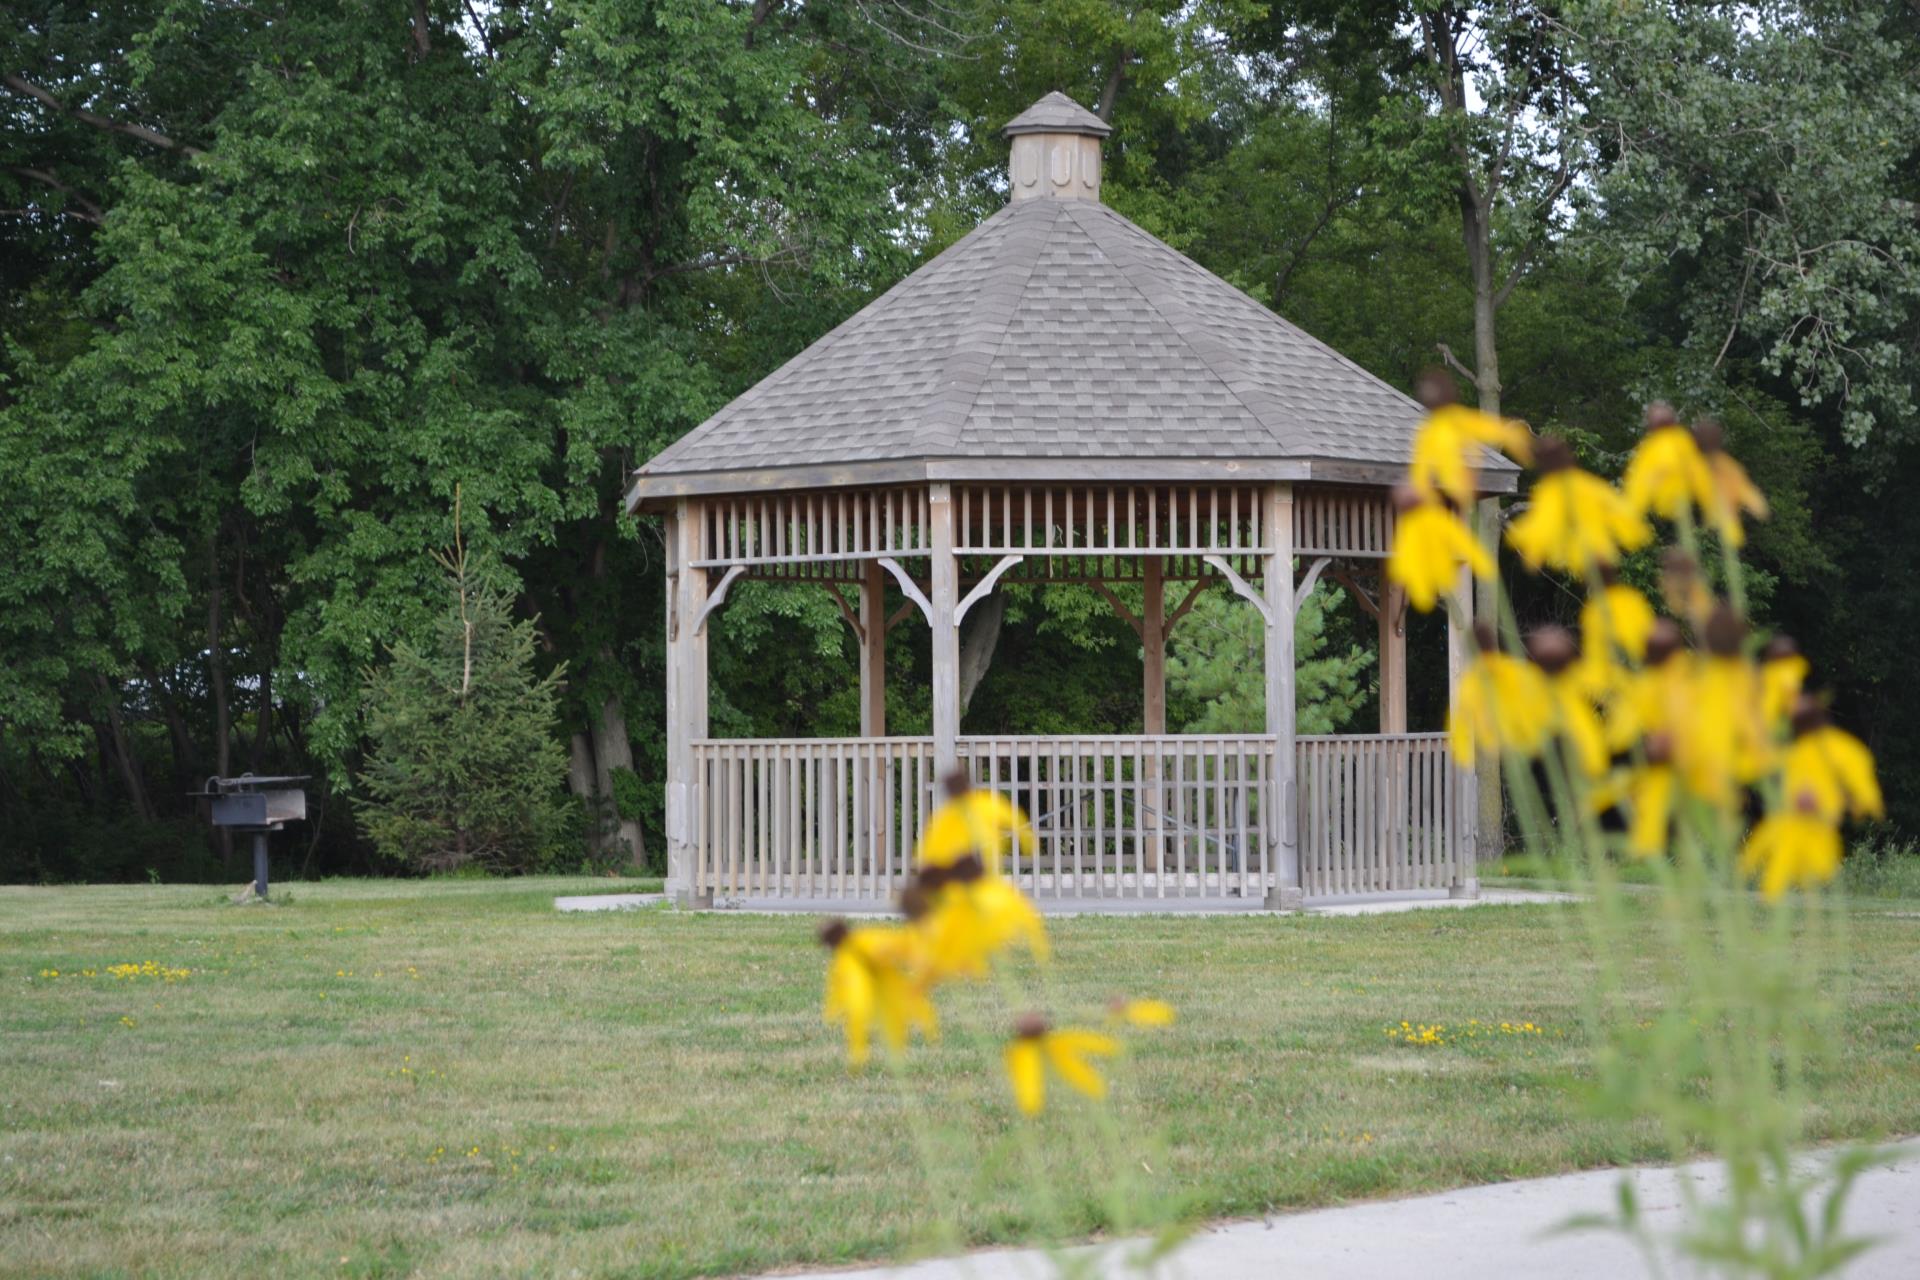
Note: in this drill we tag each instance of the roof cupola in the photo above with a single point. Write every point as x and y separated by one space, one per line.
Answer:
1056 150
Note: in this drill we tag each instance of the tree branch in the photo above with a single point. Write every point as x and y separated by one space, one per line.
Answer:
1453 362
88 211
152 136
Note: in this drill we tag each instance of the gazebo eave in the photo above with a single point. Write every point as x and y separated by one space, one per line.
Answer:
652 492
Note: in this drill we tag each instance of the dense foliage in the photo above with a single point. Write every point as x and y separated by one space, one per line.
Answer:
278 278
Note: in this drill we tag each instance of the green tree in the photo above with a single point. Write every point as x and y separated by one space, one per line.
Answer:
462 764
1215 683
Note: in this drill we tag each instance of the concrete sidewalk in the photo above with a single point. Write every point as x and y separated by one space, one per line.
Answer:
1480 1233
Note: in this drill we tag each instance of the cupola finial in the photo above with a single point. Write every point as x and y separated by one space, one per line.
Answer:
1056 150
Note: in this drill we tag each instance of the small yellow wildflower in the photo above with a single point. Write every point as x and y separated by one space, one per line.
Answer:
1615 620
1648 791
1430 544
1140 1013
1574 520
1795 849
966 916
1667 473
1720 741
1830 765
1036 1046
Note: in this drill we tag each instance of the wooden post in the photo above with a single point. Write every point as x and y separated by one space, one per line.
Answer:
1283 835
1153 716
1462 845
873 652
1393 656
686 698
1489 827
945 599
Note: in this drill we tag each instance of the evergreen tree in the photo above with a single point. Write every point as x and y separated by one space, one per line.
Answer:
464 765
1214 679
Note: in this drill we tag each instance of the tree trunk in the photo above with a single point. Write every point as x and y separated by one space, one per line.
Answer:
977 645
217 686
1476 230
123 749
612 749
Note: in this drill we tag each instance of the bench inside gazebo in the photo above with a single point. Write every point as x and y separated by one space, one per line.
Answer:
1058 397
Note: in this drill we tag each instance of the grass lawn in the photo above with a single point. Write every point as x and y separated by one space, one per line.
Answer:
451 1079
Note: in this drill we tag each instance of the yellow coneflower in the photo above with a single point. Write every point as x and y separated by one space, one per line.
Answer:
1831 766
1574 718
1721 741
1502 703
973 821
967 916
1731 493
1448 447
1648 790
1036 1046
871 978
1783 672
1574 520
1794 849
1140 1013
1667 473
1653 696
1615 619
1430 544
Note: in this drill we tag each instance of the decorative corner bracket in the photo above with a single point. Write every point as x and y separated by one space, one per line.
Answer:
1314 570
984 586
908 586
718 596
1241 587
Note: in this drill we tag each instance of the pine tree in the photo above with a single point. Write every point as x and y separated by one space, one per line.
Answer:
464 765
1214 676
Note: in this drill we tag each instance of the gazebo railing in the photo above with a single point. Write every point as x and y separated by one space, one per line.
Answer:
1377 813
1127 816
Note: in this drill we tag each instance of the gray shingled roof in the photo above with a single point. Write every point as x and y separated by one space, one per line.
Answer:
1055 330
1057 113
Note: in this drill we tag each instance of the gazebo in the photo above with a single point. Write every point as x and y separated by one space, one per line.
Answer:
1058 397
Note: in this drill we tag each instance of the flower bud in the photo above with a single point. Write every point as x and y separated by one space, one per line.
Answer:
833 933
1030 1026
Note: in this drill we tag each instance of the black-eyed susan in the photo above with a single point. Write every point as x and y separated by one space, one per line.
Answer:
1731 493
1653 695
873 978
1572 713
1430 544
1797 848
1140 1013
973 821
1502 703
1036 1046
1831 766
1667 473
1574 520
1648 791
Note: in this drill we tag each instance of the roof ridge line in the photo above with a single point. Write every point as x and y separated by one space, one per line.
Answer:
1188 323
932 431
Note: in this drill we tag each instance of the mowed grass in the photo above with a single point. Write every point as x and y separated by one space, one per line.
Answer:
452 1079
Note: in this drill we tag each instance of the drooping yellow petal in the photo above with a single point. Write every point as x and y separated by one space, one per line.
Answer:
1026 1072
1617 619
1068 1051
1430 544
1796 849
1836 770
1732 494
1650 793
1667 474
1576 522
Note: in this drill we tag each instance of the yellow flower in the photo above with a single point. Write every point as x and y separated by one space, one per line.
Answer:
1782 674
967 916
1667 473
1574 521
1615 619
1503 703
1573 716
1430 544
1648 791
1721 743
1449 445
1831 767
973 821
1795 849
1140 1013
1732 493
1036 1046
871 977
